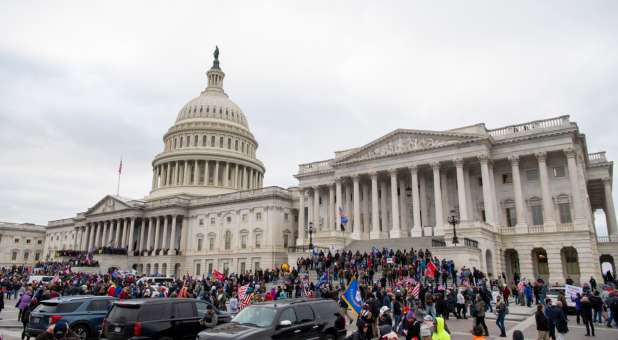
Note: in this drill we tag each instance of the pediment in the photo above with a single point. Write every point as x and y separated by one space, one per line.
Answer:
108 204
406 141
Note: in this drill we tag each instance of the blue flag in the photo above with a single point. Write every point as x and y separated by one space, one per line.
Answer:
352 297
323 279
344 218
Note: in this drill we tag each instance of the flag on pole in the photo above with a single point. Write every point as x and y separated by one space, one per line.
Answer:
352 296
431 269
244 297
416 290
323 279
344 218
218 276
120 167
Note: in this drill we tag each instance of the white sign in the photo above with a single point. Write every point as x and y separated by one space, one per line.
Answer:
389 260
571 291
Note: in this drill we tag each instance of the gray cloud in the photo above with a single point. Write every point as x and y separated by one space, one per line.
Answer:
83 83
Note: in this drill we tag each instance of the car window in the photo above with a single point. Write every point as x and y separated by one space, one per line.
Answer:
155 312
325 310
123 313
98 305
288 314
183 310
47 308
201 308
68 307
304 313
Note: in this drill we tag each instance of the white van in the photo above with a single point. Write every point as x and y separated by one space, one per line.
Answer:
156 281
40 278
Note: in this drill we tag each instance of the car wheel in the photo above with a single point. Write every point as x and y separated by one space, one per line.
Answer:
81 332
329 337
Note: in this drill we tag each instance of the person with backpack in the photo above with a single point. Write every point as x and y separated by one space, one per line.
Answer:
478 312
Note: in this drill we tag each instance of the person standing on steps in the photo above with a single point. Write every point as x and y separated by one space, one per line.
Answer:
500 316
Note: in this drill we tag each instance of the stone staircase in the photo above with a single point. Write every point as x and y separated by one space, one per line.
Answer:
395 243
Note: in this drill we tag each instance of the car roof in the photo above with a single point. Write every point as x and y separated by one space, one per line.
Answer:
288 302
61 299
151 301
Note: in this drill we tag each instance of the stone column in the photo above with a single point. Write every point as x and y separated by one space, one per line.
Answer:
494 201
250 178
164 241
339 205
395 231
301 218
548 205
437 194
331 208
168 173
461 191
196 172
76 231
489 218
356 234
384 208
131 231
375 212
216 174
417 228
517 191
149 231
245 179
154 177
93 232
125 227
316 209
206 172
156 234
106 234
576 196
365 210
610 212
186 176
236 182
142 235
173 236
226 177
183 234
117 240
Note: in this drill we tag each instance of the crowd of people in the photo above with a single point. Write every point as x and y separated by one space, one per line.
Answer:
410 293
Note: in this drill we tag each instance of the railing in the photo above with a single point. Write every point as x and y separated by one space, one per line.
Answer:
471 243
60 222
435 243
535 229
597 157
607 239
313 167
251 193
565 227
561 121
305 249
507 230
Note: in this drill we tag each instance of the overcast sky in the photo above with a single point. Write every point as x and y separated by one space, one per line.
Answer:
82 83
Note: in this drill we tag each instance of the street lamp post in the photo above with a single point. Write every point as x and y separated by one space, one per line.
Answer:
454 221
311 235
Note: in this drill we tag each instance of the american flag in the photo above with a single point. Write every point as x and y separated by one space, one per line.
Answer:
416 290
120 167
243 297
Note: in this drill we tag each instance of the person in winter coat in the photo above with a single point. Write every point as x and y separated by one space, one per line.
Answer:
413 327
24 302
560 321
362 333
597 306
501 315
542 327
586 312
479 314
439 332
578 305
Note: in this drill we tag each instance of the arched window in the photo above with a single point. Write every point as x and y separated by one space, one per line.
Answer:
174 143
201 107
181 140
229 143
221 142
188 140
212 141
195 138
204 140
236 145
228 240
242 149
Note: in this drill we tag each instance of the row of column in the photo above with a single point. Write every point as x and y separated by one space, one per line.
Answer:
610 211
490 203
143 234
206 173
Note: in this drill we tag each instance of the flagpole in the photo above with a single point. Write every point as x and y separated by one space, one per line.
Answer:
119 173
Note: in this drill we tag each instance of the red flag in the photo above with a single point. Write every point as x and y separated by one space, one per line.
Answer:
218 276
431 270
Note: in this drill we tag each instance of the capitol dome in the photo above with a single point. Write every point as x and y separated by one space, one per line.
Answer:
209 150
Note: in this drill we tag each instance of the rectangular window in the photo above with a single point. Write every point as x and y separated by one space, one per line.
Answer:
532 174
286 216
559 171
16 240
211 243
210 267
537 215
243 241
256 266
244 217
565 213
37 256
242 268
198 269
28 241
212 220
258 216
14 256
26 255
201 221
507 178
511 217
199 244
285 240
39 242
258 240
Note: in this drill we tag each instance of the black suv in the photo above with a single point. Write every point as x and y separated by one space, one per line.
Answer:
156 319
289 319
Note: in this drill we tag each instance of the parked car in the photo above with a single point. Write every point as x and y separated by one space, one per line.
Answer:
155 281
163 319
553 293
83 313
290 319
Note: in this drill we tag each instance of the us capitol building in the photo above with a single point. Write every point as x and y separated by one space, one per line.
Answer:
524 197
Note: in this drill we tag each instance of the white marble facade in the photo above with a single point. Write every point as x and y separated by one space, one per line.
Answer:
21 243
525 195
